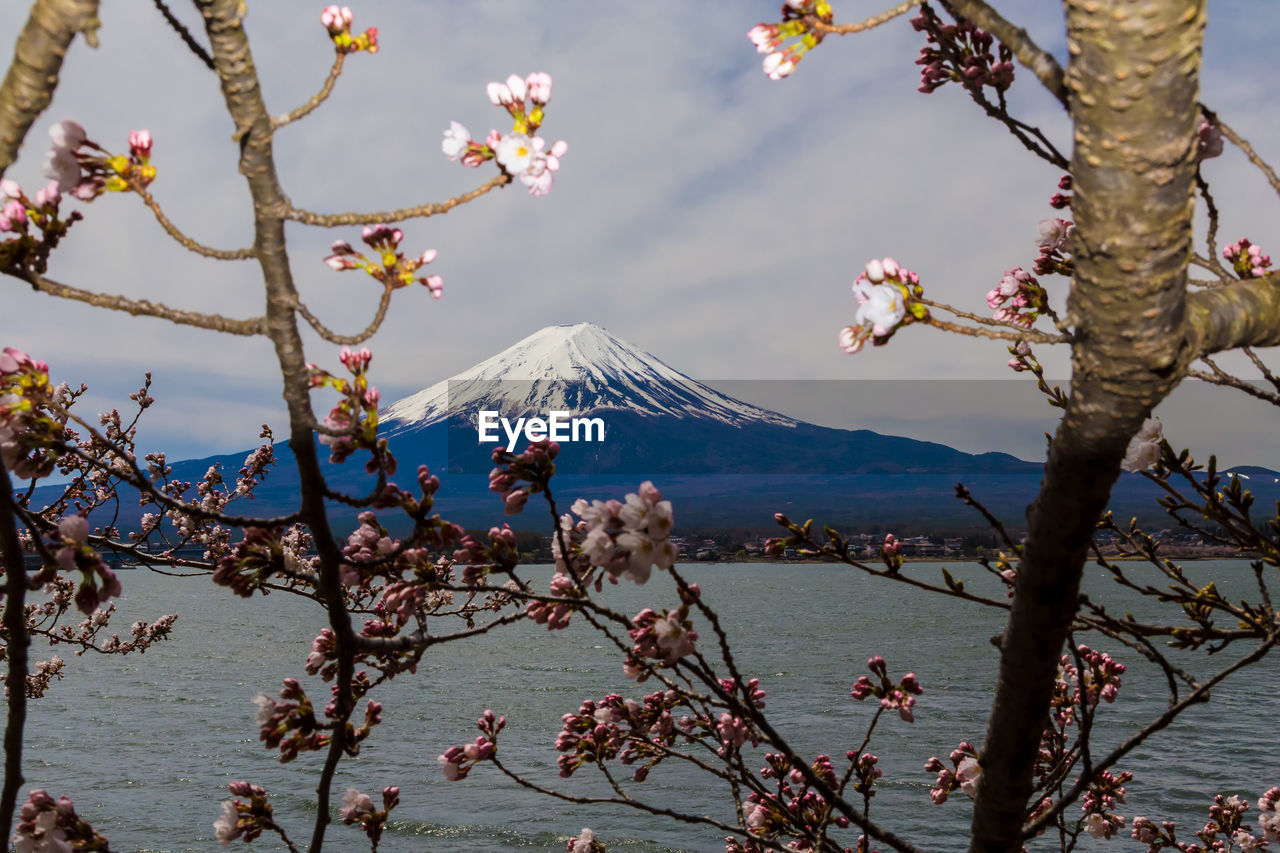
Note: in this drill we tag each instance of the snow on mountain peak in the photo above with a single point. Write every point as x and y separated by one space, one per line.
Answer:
579 368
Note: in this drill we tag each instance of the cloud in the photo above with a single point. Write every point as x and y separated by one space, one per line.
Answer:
703 212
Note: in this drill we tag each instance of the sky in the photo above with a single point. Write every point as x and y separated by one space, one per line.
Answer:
703 212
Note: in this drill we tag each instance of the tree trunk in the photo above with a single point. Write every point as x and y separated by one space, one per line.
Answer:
1133 84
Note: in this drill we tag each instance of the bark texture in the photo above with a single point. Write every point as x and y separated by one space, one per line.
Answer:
16 643
37 60
1133 84
253 130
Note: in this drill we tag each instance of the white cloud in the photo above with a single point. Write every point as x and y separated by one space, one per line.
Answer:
703 212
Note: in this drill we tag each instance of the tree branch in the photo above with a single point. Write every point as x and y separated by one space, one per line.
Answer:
185 34
333 220
15 625
145 307
37 60
317 99
866 23
182 239
1245 314
349 340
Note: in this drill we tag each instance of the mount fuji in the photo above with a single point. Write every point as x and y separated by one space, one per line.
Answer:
578 367
656 419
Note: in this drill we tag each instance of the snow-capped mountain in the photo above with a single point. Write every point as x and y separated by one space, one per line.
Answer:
579 368
656 419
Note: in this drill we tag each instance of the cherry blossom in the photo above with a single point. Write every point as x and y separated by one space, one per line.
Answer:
337 20
520 153
1144 448
457 139
47 825
1247 259
585 842
884 291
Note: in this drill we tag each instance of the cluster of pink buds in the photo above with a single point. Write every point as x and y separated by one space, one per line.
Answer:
1105 791
391 267
87 175
20 212
960 53
359 808
1101 679
520 153
75 553
1208 140
517 476
793 810
337 20
633 732
477 557
885 294
1054 238
1269 814
1226 819
1023 359
556 614
25 391
1247 259
245 818
584 842
1018 299
352 424
457 761
900 697
961 776
785 43
46 824
1059 201
26 250
891 553
258 557
290 723
665 637
865 772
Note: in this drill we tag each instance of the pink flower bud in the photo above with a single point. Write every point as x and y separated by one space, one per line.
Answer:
68 135
140 142
499 95
539 83
518 88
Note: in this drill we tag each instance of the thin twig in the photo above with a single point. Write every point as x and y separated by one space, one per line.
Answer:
1262 368
866 23
1243 144
1031 335
182 239
144 307
185 35
334 220
1221 377
1160 722
349 340
317 99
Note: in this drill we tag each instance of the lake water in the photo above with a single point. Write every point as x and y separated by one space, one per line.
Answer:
146 744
